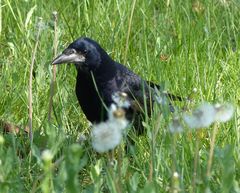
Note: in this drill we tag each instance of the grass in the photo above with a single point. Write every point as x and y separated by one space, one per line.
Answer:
183 44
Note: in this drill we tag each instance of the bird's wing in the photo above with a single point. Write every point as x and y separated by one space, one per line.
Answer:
138 91
142 93
172 97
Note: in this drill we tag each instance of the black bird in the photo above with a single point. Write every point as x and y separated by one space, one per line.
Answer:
99 77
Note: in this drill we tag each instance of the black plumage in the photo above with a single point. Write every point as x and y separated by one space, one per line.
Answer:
99 77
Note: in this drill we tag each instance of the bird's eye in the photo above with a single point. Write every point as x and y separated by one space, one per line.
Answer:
85 52
69 51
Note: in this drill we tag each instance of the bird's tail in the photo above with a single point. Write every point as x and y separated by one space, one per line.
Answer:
172 97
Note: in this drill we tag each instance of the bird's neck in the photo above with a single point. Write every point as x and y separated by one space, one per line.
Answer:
106 71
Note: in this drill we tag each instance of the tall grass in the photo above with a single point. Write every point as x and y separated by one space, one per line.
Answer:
179 44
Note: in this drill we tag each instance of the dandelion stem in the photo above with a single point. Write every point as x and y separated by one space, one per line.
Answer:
120 157
95 85
111 156
112 173
174 162
196 158
30 83
151 159
39 178
153 145
55 44
150 170
211 151
174 153
175 183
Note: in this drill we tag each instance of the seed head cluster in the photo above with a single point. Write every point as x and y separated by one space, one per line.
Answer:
107 135
203 116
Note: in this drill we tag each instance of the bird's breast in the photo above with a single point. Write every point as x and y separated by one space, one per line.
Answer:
89 99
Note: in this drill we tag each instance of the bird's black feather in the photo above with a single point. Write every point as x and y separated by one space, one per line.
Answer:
99 77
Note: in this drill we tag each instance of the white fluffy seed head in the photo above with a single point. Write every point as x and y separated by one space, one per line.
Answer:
175 175
47 155
195 90
224 112
117 116
175 126
105 136
202 117
121 99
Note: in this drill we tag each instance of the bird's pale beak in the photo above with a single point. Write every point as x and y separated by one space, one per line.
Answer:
62 58
71 58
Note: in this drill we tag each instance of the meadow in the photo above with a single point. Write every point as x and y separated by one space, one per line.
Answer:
191 48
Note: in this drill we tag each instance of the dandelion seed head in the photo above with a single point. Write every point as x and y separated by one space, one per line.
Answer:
119 113
224 112
195 90
54 13
201 117
121 99
117 117
175 181
123 95
41 25
47 155
175 175
175 126
105 136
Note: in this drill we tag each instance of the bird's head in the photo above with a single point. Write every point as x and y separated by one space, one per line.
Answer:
85 53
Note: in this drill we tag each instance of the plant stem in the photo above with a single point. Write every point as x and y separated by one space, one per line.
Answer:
129 31
30 82
211 151
196 158
55 44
